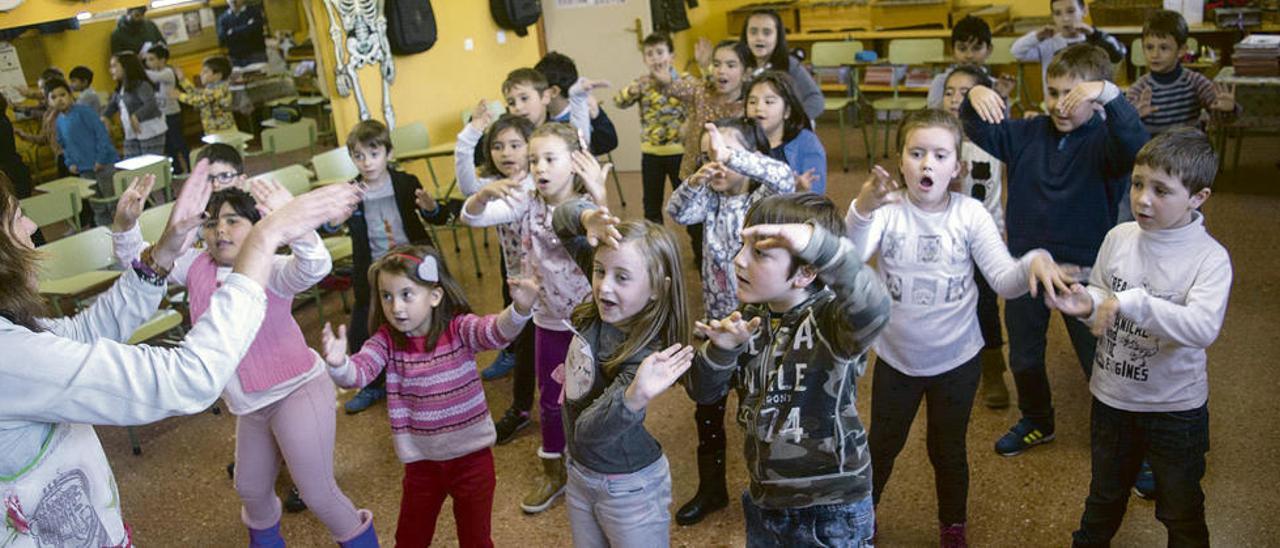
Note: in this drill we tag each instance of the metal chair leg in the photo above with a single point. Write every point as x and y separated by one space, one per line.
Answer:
616 183
475 255
134 444
844 149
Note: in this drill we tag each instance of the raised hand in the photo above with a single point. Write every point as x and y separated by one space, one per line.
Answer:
702 52
804 181
657 373
728 333
497 190
305 213
662 74
424 200
593 174
1046 32
1075 301
706 173
480 116
186 216
720 147
1045 272
987 103
524 291
1105 317
1143 106
587 85
879 189
791 237
334 346
269 194
1225 99
1084 92
601 227
131 202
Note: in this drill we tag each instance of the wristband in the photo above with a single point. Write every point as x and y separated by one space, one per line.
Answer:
148 260
147 274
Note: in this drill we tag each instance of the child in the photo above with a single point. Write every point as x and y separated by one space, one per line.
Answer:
81 81
390 214
48 134
794 352
982 177
167 77
570 94
929 240
717 197
562 170
1156 297
214 99
661 119
765 36
425 339
1067 172
280 395
1172 96
630 346
85 145
507 141
1068 28
970 45
772 102
135 100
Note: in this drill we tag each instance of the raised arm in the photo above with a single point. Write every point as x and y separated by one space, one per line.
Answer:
861 307
464 160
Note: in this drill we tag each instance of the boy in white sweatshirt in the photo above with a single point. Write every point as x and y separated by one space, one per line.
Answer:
1156 300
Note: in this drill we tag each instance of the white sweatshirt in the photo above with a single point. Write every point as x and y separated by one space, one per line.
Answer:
926 262
1172 286
54 475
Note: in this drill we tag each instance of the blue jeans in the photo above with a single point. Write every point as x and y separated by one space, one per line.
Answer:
620 509
1174 443
843 525
1027 320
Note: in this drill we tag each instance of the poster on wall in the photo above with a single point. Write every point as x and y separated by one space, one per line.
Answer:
173 27
192 19
11 78
206 18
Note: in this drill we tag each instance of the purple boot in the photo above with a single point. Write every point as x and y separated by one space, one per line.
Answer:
266 538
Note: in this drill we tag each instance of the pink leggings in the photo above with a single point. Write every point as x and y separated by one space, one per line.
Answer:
301 427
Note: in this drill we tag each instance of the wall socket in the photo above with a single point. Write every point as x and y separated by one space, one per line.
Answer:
468 44
502 37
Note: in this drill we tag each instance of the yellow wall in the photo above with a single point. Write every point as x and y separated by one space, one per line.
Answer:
40 11
435 86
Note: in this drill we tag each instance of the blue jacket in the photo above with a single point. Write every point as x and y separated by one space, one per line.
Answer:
1064 189
802 153
84 139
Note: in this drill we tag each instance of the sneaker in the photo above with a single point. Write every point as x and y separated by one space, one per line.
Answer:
364 399
293 503
1021 437
952 536
511 423
501 366
1145 485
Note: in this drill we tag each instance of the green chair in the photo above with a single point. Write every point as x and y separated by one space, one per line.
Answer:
411 142
288 138
159 166
76 265
58 205
294 178
909 51
152 221
334 166
840 54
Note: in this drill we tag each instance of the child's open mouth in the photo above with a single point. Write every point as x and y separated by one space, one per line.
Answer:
543 181
742 281
607 304
926 182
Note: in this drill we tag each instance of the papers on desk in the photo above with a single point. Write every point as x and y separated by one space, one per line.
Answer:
139 162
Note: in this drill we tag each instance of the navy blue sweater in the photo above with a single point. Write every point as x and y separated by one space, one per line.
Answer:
1064 188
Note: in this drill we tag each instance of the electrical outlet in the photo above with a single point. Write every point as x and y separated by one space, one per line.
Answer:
468 44
502 37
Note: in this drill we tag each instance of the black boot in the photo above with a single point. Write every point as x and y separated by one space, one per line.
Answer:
712 494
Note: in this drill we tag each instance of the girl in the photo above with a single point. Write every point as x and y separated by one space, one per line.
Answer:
426 338
929 239
167 77
630 344
562 170
281 397
718 196
772 102
135 100
982 177
764 34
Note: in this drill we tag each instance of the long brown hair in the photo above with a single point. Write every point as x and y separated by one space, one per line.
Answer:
662 322
397 261
20 300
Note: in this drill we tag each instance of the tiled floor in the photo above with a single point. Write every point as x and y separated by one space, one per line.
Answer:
178 494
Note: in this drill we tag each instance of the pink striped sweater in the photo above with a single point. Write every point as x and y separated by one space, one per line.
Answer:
434 397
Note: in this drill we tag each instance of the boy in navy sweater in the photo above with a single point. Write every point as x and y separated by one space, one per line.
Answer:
1067 173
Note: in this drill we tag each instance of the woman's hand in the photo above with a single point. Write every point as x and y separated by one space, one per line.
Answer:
728 333
131 202
335 347
270 195
524 291
299 217
657 373
185 218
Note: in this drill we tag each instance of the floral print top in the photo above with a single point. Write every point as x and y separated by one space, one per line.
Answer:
703 105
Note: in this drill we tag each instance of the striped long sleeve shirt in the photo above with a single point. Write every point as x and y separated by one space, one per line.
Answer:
1177 98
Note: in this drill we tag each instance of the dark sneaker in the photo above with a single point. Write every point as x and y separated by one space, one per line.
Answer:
293 503
952 536
1021 437
364 399
1145 485
501 366
511 423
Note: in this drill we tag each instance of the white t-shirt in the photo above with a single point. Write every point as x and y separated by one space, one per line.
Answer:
985 181
1172 286
926 261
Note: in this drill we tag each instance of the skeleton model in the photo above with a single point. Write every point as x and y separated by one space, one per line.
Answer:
364 28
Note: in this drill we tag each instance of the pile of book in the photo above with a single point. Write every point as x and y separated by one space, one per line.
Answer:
1257 55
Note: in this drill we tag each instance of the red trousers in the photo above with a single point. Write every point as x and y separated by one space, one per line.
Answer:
469 479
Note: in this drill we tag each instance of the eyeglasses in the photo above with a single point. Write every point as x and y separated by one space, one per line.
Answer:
225 177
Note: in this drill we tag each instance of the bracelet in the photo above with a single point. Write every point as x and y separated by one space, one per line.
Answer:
147 274
149 261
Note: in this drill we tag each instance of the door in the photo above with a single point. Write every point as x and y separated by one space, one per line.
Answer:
602 37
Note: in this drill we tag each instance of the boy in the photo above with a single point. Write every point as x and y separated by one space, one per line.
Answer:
168 78
793 351
1067 173
388 216
1170 96
662 120
81 81
567 89
85 143
1157 297
1068 28
970 45
214 99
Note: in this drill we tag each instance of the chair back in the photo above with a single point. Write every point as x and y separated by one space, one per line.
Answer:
161 168
289 137
1137 57
1002 51
295 178
409 137
915 51
76 254
334 164
61 204
152 221
835 53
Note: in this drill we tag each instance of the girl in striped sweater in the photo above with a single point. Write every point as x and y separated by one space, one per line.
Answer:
426 338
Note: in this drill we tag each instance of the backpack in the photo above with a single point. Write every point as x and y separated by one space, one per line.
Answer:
411 26
516 14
